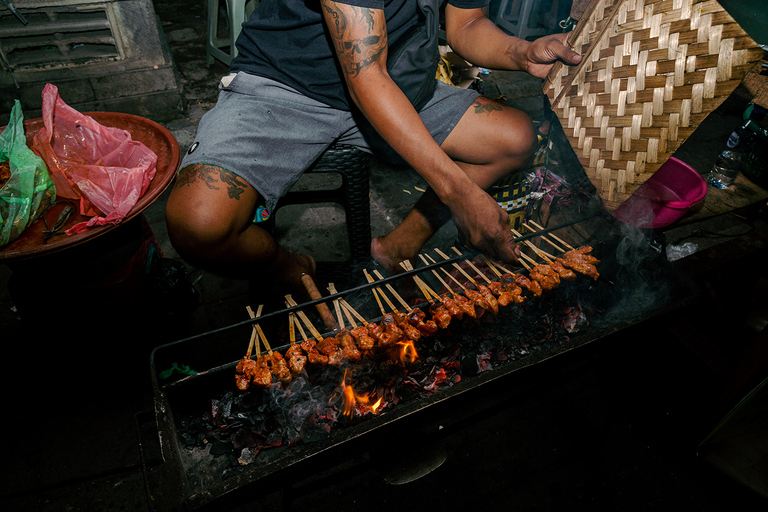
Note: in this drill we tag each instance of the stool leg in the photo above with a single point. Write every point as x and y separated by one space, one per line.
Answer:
359 210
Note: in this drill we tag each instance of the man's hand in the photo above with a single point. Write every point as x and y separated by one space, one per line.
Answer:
543 52
484 226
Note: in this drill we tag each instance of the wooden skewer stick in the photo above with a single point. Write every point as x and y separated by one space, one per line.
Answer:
416 279
424 259
456 266
491 265
553 236
258 327
303 317
374 290
299 327
473 266
449 276
340 306
350 309
393 292
541 254
529 260
545 238
337 306
254 335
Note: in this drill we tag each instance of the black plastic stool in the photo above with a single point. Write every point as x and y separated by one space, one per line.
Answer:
353 165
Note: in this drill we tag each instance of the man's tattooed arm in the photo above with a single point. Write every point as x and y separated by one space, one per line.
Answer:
359 35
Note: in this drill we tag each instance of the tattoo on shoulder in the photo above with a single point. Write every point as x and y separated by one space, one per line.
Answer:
212 177
483 106
358 40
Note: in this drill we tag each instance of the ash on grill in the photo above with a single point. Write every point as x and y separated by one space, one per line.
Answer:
238 428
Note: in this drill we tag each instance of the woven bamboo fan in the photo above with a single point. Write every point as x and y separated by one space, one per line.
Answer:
651 72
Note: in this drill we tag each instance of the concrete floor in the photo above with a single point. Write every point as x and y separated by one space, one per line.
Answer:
613 427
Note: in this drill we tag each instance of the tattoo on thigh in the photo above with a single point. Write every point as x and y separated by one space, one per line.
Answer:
482 106
211 177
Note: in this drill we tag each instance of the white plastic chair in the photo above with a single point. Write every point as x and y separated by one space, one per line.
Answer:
514 18
237 12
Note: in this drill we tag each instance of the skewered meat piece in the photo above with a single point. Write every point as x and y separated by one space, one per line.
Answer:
489 297
262 377
546 277
532 286
452 306
506 293
244 373
278 367
582 268
478 299
440 315
313 354
296 359
364 341
467 306
418 319
330 347
390 333
581 255
348 346
409 331
566 274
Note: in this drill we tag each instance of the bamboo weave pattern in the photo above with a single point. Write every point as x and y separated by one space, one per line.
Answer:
651 72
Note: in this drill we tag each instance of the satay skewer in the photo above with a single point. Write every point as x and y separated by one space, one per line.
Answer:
258 327
428 293
472 265
305 319
374 290
337 306
393 292
552 235
456 266
542 254
340 304
381 292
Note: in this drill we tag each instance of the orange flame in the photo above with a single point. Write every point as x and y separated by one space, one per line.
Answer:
355 401
408 352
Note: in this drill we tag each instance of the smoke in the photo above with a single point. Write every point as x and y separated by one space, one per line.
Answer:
639 282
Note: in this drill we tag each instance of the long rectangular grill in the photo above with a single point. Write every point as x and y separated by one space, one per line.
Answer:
206 476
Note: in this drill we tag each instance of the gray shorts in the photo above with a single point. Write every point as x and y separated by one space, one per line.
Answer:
269 134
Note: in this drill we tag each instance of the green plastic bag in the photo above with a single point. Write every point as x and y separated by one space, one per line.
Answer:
29 191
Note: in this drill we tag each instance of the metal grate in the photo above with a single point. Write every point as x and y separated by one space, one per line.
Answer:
57 37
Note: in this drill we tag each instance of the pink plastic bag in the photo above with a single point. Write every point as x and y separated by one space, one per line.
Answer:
98 165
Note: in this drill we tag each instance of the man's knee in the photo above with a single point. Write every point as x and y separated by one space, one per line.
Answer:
202 221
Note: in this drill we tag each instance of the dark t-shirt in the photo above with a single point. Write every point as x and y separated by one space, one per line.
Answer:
287 41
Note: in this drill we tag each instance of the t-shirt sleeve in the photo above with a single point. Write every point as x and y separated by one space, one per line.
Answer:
469 4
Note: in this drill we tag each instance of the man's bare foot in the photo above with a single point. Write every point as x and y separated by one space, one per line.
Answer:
386 256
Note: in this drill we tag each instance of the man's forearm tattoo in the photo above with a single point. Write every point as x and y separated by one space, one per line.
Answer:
211 176
485 107
355 53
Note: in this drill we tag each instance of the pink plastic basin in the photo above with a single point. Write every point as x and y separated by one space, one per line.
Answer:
664 197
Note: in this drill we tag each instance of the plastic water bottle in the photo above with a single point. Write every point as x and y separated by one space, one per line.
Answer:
738 148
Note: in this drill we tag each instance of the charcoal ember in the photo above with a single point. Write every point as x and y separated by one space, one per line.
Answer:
220 447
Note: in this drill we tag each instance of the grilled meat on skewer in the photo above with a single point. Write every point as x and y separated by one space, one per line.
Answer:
582 268
546 277
566 274
417 318
348 346
362 337
532 286
506 293
296 359
581 255
440 315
